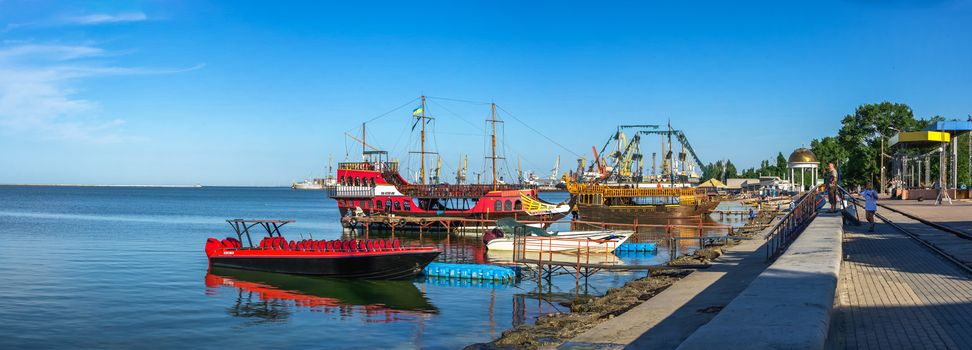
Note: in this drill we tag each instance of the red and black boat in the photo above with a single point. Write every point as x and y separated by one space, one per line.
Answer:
368 259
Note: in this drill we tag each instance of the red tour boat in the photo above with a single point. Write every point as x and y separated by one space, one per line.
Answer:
369 259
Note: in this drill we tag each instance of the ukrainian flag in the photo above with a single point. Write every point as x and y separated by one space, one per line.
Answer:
417 112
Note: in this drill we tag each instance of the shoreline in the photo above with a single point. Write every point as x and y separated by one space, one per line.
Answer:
554 329
138 186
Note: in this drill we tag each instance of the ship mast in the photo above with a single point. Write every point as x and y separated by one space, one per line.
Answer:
492 120
423 119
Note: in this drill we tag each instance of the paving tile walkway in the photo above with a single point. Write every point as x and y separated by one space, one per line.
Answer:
957 215
895 293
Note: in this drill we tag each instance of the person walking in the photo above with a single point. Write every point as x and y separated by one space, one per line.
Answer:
870 204
831 178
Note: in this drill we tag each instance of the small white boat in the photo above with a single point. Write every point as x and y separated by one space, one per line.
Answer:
592 241
505 257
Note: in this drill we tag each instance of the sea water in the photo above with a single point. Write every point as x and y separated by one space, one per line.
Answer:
115 267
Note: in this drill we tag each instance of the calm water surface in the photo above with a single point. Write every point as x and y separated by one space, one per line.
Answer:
88 267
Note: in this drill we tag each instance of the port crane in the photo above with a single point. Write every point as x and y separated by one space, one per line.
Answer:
628 161
461 172
556 170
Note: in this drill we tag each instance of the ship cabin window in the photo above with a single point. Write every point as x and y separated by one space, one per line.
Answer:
357 181
407 205
590 199
398 206
388 204
341 180
378 204
508 206
497 206
366 204
517 205
372 182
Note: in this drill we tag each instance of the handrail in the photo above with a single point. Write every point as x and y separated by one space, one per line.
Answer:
792 224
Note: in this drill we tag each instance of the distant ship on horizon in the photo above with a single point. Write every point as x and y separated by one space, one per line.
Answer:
315 184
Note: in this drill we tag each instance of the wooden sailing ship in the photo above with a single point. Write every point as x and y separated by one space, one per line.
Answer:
623 193
375 187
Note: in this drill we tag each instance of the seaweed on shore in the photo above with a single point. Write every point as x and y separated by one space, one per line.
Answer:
585 313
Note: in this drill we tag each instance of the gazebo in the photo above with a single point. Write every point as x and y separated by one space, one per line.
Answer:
802 159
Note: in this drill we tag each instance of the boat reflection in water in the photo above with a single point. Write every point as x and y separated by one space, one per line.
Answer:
274 297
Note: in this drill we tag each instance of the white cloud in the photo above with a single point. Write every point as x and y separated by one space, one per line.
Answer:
102 18
36 94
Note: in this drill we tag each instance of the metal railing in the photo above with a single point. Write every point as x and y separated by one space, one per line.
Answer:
370 166
577 250
792 224
454 191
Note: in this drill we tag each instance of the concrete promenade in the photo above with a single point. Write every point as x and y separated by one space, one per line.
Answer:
788 306
666 319
895 293
957 215
835 287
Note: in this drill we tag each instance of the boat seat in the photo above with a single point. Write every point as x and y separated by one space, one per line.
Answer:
355 246
300 245
329 246
397 245
292 245
371 245
346 246
231 242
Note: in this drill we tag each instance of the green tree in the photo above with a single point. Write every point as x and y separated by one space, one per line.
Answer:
730 169
829 151
780 165
861 134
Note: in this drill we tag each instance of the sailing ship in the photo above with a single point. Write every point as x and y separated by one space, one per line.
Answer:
623 193
376 187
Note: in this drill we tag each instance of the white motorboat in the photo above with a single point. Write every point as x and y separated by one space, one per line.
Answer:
585 241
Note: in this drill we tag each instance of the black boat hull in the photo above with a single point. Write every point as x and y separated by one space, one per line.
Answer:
372 266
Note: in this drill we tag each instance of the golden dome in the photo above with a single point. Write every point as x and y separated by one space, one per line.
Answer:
802 155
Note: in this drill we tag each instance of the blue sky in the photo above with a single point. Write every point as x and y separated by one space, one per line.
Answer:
255 93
